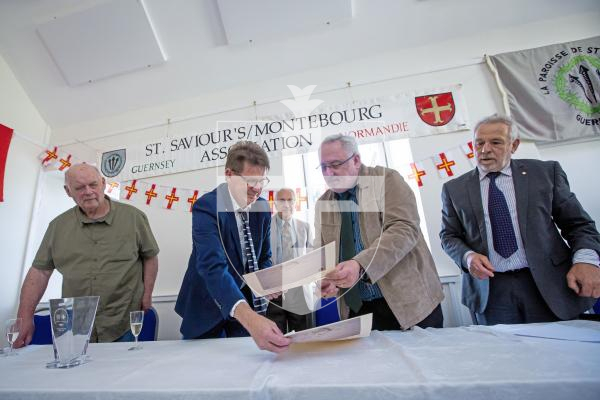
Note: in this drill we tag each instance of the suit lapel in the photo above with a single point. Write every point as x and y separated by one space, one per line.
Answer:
474 190
520 181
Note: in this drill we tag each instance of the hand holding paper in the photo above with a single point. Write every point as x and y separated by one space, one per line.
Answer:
302 270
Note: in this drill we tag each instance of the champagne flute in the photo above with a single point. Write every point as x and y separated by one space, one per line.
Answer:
13 326
136 320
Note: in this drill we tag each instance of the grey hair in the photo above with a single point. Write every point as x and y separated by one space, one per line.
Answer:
499 119
285 188
348 143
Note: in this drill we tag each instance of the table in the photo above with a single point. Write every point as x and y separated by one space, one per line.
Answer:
471 363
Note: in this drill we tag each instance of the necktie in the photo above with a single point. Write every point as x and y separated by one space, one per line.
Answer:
259 303
348 250
505 241
287 252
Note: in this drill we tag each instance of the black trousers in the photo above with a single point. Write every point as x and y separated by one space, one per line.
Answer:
515 299
287 321
385 320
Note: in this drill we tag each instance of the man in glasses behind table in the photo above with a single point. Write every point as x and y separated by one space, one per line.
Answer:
230 234
385 266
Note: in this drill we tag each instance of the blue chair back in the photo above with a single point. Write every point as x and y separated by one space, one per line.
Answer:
149 331
42 334
328 313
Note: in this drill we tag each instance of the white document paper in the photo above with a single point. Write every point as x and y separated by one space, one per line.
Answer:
552 331
302 270
352 328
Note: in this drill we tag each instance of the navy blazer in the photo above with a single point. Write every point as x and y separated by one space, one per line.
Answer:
212 281
552 222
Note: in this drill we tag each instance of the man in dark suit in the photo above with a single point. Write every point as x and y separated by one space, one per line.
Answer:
230 233
502 225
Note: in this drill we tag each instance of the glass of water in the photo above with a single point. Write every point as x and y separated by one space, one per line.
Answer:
13 326
136 320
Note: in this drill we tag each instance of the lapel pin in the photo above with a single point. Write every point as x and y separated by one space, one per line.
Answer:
524 173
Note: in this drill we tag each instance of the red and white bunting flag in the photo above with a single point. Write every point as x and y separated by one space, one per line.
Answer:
190 196
417 173
130 190
49 158
65 163
171 200
6 134
445 164
469 152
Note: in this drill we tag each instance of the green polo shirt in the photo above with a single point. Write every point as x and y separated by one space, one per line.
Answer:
101 258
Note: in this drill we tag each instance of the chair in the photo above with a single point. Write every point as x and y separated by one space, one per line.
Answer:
149 331
43 330
42 333
328 313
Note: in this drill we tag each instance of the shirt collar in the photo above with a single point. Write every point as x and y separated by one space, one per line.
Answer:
108 218
236 206
504 171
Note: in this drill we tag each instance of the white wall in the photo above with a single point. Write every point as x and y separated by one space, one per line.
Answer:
450 62
20 183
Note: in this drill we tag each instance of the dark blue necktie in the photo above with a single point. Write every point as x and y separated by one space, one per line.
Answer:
505 241
259 303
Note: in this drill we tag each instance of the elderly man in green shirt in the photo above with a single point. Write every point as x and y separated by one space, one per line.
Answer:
102 248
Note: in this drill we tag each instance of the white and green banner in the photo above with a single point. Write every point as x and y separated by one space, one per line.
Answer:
553 92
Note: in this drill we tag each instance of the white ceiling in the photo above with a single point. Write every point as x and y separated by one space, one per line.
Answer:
201 59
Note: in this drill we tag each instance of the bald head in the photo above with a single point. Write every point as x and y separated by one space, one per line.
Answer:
77 169
85 185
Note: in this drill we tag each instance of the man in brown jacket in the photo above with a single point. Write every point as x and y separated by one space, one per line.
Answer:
385 267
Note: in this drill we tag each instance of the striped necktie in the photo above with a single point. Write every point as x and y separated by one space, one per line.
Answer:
259 303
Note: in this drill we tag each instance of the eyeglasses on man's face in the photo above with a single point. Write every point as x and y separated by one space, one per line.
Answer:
334 165
254 181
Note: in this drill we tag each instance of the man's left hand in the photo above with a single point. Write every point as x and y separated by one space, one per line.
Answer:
584 279
345 275
146 302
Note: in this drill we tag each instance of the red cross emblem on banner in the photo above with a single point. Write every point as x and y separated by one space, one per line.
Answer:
65 163
300 199
171 198
445 164
193 199
112 185
150 194
436 109
417 174
50 155
131 189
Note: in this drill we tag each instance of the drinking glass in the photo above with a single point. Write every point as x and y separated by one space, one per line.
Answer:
13 326
136 320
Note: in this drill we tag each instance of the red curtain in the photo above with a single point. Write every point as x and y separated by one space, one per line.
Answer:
5 137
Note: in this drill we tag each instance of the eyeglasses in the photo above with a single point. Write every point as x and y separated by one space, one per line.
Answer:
335 164
253 181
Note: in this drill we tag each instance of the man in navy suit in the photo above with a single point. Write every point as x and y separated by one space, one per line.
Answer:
230 233
528 249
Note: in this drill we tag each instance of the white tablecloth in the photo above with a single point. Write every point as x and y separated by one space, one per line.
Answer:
454 363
